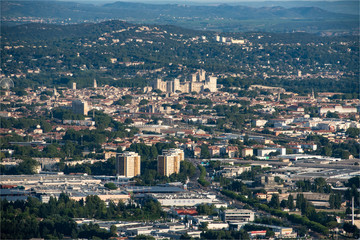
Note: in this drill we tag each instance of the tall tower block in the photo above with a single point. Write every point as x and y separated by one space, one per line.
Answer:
128 164
169 162
80 107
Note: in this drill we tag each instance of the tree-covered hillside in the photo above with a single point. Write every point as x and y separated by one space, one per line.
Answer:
124 54
278 17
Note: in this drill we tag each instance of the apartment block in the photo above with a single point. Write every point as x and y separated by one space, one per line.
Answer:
128 164
169 162
247 152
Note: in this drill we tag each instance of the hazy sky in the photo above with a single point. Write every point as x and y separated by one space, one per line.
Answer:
254 3
187 1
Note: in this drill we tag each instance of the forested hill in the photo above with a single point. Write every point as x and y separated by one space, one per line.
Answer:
124 54
41 31
224 11
52 32
221 17
38 31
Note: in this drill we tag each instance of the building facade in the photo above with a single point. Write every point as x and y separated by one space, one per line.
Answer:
128 164
337 109
185 199
80 107
198 82
169 162
243 215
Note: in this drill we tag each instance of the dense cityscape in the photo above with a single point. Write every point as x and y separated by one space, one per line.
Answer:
115 130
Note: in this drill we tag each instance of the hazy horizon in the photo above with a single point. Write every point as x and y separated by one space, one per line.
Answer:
197 1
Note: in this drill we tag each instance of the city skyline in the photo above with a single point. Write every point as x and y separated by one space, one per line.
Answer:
179 121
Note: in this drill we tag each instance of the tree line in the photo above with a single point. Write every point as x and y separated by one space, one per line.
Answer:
33 219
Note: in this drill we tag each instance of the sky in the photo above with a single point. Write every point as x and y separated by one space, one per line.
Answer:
189 1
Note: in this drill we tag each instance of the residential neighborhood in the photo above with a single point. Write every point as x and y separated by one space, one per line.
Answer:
267 154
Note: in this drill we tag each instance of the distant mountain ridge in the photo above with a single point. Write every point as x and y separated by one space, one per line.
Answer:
223 17
347 7
227 11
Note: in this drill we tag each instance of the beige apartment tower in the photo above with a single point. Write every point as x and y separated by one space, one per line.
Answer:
128 164
169 162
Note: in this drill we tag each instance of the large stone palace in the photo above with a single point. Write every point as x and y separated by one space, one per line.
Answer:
198 82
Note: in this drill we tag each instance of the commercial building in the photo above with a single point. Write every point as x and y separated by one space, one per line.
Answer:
48 180
231 172
115 196
266 151
243 215
186 199
80 107
44 186
79 122
247 152
14 194
338 109
154 189
280 232
128 164
259 122
169 162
